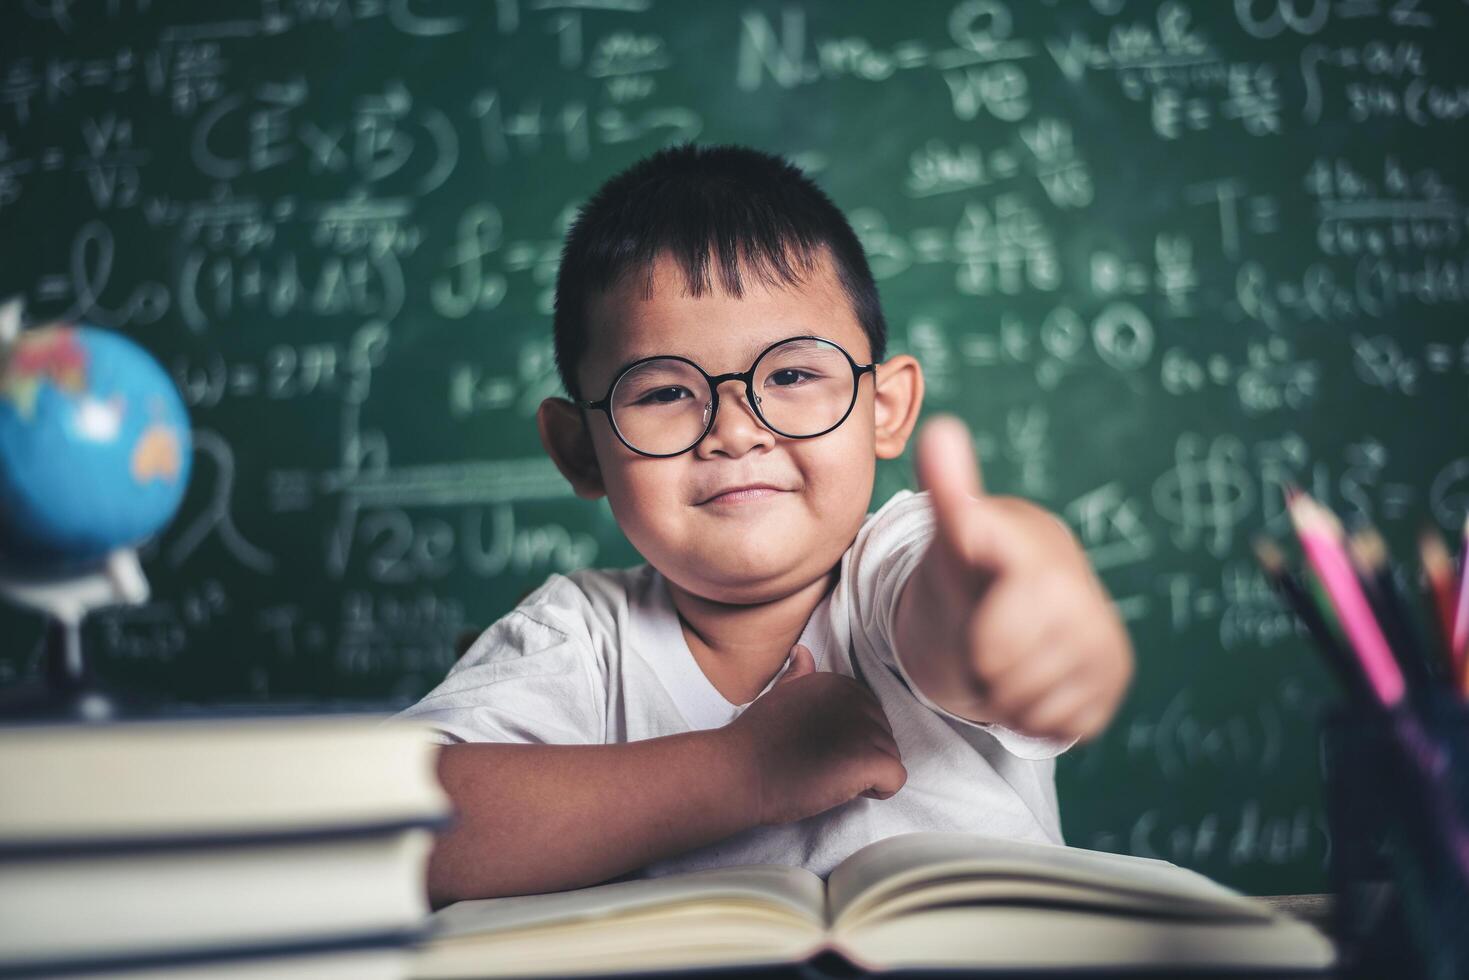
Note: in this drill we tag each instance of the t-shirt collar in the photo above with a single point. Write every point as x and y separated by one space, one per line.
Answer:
660 642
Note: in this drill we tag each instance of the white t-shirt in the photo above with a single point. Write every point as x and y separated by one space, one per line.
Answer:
598 656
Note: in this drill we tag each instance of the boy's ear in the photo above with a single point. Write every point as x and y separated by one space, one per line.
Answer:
568 442
898 397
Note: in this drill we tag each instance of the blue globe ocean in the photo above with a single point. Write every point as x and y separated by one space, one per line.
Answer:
94 446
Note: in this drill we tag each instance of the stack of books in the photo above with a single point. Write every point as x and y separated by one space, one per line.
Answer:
260 847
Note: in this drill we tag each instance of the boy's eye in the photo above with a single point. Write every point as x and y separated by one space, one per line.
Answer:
665 395
786 377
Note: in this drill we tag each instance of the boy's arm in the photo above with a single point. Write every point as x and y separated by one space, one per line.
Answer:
539 818
936 668
1002 619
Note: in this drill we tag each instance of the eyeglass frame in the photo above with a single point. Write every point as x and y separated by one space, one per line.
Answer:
604 404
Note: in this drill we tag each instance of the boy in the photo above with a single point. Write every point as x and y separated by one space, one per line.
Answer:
788 678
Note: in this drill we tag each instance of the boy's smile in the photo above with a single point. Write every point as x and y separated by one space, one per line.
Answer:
748 494
748 526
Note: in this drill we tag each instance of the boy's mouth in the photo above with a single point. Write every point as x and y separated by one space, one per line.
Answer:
742 493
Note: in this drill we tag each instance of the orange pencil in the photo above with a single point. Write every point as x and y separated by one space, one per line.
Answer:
1438 569
1369 555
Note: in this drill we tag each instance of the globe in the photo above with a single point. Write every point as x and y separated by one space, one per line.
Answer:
94 446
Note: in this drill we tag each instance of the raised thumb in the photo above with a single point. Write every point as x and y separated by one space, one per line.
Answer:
947 468
801 664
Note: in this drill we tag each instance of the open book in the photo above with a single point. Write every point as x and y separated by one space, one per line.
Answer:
916 901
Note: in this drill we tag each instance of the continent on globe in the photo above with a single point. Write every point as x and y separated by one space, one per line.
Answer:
51 354
156 456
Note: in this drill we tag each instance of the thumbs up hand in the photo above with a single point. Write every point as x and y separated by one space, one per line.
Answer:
1003 620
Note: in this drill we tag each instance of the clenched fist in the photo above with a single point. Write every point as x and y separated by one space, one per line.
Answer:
815 740
1003 619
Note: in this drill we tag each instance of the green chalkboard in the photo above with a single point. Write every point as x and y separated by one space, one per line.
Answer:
1162 257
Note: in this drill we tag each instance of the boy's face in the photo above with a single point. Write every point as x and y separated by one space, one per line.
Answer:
762 545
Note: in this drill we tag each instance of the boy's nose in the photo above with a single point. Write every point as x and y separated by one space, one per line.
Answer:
737 429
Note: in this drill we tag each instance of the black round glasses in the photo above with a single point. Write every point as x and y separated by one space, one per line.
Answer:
800 388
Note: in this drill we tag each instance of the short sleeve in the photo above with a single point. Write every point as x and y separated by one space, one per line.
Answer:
882 557
531 677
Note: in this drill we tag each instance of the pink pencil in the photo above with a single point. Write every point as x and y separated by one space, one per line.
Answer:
1461 617
1321 537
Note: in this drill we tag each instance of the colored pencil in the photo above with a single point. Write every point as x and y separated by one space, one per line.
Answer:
1461 616
1323 603
1320 534
1369 556
1298 601
1438 569
1321 538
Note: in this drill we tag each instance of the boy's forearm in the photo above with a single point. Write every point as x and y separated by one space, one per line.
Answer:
539 818
932 660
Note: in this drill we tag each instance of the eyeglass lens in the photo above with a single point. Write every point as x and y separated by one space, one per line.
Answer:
801 388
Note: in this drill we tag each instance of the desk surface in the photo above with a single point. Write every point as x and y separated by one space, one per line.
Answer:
1313 909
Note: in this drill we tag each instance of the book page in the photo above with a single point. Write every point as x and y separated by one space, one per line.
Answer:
891 868
793 890
1061 939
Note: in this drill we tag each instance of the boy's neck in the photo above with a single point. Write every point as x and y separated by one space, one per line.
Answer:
741 647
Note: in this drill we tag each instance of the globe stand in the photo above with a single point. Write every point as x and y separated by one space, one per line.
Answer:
68 691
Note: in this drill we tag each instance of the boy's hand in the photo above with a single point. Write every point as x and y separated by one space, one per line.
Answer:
815 740
1003 619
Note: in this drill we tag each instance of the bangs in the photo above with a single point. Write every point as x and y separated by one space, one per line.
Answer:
715 233
727 218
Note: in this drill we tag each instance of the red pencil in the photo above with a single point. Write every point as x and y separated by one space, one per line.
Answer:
1438 569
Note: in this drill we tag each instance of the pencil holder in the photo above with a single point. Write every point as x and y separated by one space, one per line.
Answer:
1397 795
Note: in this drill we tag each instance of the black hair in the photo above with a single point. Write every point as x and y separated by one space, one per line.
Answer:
739 207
